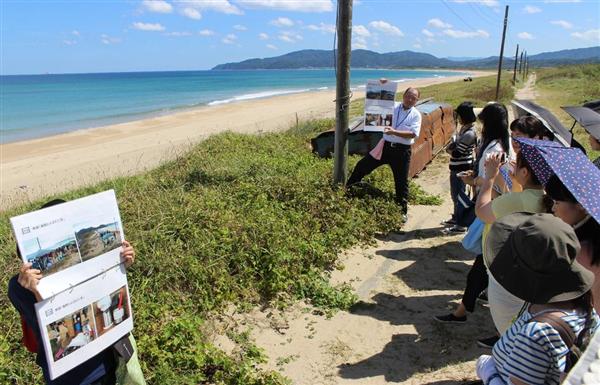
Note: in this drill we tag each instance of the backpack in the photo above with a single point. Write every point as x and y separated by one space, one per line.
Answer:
574 343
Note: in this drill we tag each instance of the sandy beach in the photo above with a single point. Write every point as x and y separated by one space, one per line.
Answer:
35 168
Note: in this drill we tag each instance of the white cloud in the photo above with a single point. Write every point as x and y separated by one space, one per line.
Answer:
263 36
178 34
464 35
282 22
530 9
158 6
69 42
437 23
289 36
148 26
222 6
386 28
240 27
489 3
328 28
562 23
290 5
361 30
525 36
592 35
562 1
417 45
427 32
229 39
191 13
75 32
206 32
359 42
108 40
271 46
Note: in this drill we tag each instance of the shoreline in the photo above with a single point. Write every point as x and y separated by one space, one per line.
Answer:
34 168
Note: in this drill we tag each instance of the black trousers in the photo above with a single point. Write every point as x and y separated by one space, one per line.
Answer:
477 281
398 157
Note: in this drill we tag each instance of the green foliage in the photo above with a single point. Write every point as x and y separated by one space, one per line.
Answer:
240 219
479 91
569 86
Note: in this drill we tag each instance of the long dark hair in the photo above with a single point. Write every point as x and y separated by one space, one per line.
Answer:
494 117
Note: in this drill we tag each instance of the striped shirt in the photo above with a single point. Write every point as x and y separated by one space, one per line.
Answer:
461 155
533 352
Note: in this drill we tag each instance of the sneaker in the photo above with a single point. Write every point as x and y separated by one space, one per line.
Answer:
487 343
450 319
403 218
448 222
482 298
454 230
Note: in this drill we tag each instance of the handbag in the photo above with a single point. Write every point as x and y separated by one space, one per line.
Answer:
465 209
128 371
472 240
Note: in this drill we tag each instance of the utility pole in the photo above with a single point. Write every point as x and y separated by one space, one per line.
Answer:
501 52
515 70
342 97
521 63
524 63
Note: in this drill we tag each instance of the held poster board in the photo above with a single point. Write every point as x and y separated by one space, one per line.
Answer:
71 242
379 104
81 322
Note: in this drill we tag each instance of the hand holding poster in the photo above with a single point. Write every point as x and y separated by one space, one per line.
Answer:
70 242
84 307
79 323
379 104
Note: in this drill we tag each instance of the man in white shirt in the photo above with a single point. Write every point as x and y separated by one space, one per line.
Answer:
397 147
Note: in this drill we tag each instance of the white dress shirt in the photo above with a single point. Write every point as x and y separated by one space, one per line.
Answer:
405 120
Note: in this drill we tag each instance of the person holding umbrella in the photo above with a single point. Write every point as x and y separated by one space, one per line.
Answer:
589 118
571 181
533 257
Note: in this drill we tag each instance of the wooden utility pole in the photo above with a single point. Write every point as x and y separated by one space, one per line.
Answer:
342 98
501 52
521 63
515 70
524 64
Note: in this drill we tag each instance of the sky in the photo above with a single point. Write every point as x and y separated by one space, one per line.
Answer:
77 36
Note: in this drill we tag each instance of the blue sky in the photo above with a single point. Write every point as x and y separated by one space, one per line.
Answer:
104 36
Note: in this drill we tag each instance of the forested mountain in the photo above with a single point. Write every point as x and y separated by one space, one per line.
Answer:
362 58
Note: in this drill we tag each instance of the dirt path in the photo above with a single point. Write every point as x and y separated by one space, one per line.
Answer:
390 336
528 91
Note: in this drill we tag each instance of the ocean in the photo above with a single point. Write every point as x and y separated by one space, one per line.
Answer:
33 106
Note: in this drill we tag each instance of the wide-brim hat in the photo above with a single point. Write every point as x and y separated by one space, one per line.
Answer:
533 257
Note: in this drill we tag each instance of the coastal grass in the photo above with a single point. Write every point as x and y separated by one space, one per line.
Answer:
570 85
240 219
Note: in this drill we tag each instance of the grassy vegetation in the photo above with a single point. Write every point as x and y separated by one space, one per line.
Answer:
241 219
569 86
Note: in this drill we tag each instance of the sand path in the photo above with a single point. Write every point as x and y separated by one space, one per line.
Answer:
39 167
390 337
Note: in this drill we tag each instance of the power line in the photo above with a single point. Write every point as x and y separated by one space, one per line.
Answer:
459 16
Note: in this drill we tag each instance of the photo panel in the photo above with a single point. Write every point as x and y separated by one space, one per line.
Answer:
111 310
81 322
72 241
51 251
71 332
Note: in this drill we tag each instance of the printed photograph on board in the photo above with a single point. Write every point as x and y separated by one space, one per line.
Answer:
50 252
97 237
71 332
111 310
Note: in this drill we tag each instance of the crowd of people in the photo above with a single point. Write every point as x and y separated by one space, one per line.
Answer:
537 223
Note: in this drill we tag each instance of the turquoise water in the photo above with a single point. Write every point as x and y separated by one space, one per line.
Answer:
34 106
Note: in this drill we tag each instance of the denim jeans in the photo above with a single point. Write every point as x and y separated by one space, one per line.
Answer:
456 185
